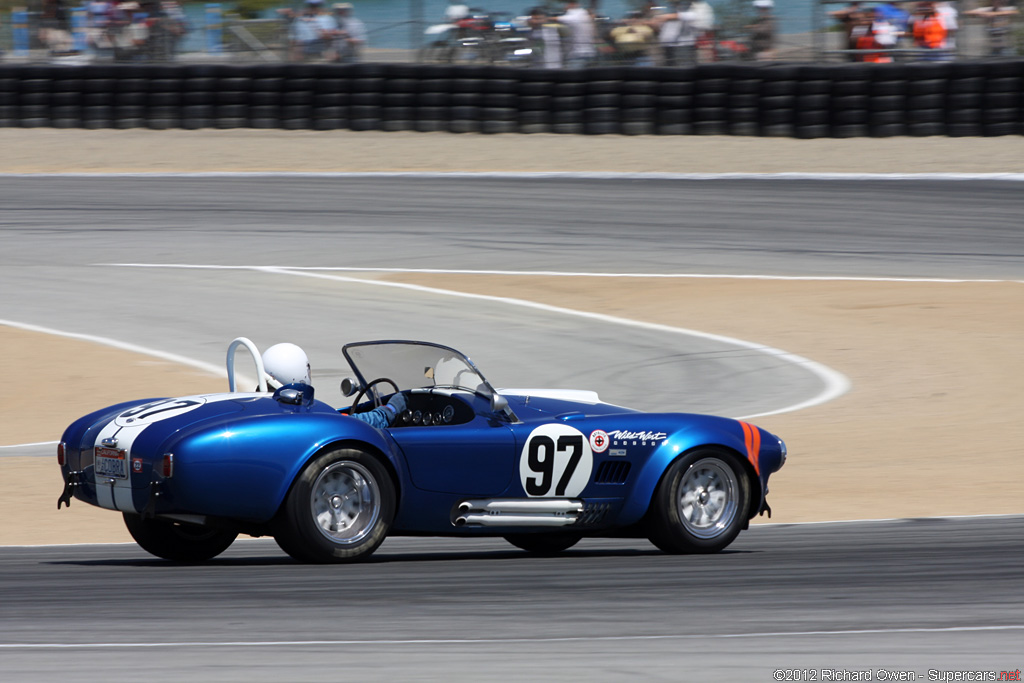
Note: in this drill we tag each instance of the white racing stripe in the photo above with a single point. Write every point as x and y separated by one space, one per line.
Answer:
498 641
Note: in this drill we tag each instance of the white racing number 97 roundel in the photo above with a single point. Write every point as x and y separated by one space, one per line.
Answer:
556 462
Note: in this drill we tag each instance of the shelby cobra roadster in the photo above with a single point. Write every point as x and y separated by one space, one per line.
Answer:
456 457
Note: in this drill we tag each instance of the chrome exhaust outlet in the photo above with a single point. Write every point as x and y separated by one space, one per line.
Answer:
514 520
562 506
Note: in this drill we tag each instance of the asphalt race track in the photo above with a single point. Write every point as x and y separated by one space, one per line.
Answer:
908 595
900 595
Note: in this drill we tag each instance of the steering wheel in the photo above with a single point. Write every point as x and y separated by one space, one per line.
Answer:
376 396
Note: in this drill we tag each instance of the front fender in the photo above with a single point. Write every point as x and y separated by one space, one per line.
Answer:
757 449
244 469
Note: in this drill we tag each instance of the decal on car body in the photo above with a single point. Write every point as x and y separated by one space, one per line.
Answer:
752 440
556 462
627 438
599 441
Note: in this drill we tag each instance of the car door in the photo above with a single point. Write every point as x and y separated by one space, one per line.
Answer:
477 458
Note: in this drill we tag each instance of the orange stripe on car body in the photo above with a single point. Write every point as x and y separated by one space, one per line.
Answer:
752 440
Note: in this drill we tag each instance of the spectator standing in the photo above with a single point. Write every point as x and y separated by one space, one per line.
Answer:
999 18
99 34
762 31
350 38
850 18
948 16
582 49
55 27
677 33
545 39
633 40
704 24
166 27
130 32
880 34
312 32
929 33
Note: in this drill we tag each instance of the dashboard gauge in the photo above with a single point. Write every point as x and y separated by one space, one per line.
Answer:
416 417
407 417
448 414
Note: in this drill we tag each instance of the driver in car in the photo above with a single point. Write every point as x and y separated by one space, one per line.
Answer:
288 364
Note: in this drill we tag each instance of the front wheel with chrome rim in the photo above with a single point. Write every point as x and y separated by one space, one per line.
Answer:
701 504
340 508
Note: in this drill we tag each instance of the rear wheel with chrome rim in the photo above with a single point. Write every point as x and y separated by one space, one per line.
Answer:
339 509
701 504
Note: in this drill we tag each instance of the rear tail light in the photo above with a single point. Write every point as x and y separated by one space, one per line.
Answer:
167 466
61 458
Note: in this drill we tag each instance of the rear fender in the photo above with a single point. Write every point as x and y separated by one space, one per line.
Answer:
246 470
722 432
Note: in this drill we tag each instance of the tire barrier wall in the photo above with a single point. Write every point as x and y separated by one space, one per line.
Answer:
804 101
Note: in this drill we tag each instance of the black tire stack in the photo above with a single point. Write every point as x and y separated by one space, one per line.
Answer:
849 102
568 95
1002 100
639 100
926 99
98 97
778 100
534 96
9 98
964 96
198 96
887 102
744 109
710 100
675 102
367 96
467 96
130 95
231 98
163 98
65 99
498 112
34 91
297 96
331 99
398 112
433 98
602 102
810 101
813 103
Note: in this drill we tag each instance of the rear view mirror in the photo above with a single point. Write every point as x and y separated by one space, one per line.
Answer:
349 387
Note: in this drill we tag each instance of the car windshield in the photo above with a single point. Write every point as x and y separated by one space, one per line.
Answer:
415 365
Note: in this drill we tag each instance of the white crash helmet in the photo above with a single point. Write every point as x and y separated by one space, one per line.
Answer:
286 364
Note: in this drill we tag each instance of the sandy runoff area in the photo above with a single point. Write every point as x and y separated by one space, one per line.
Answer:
930 427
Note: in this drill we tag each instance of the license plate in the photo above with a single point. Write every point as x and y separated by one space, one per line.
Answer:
110 462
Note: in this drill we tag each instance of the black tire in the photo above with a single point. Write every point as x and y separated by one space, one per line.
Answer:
543 544
177 541
701 503
339 509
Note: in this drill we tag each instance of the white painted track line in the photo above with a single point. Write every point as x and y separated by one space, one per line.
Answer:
527 175
555 273
492 641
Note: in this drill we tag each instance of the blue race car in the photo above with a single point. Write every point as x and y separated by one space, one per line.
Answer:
541 468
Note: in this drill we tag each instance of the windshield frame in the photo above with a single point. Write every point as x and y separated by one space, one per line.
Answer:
444 353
